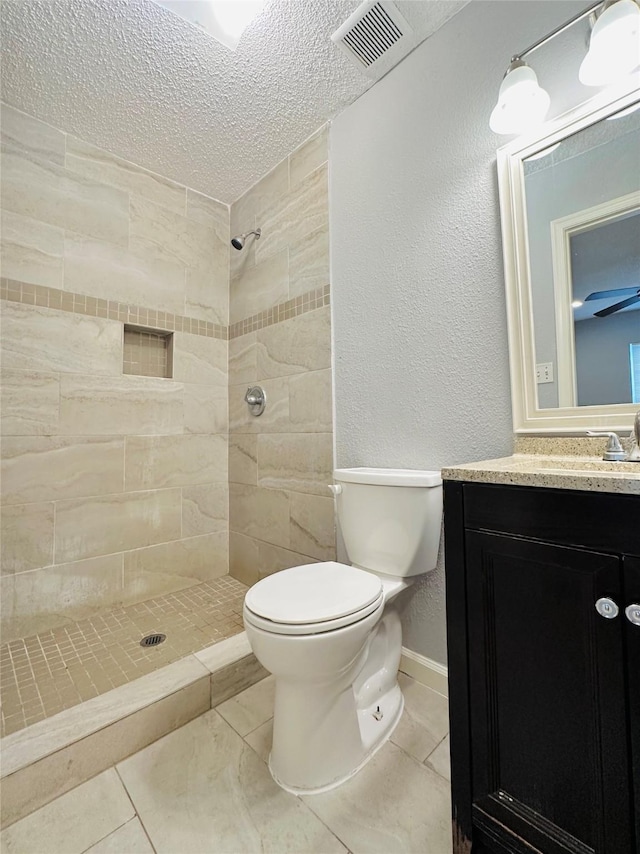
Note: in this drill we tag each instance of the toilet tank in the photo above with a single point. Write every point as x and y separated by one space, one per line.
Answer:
390 518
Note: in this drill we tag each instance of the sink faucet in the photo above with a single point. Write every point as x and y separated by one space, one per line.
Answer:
614 450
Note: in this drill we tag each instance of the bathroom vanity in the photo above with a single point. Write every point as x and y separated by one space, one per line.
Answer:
543 618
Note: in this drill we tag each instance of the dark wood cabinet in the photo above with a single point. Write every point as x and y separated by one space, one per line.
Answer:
544 690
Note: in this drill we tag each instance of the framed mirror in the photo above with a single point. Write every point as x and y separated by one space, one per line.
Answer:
570 213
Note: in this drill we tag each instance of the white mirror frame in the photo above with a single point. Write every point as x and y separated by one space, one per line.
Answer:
527 417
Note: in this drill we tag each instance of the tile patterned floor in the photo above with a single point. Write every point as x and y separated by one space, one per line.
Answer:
206 789
46 673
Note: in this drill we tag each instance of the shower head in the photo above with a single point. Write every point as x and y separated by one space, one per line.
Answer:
238 242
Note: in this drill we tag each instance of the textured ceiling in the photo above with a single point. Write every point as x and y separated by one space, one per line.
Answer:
133 78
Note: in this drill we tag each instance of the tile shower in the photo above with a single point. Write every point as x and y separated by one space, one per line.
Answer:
133 480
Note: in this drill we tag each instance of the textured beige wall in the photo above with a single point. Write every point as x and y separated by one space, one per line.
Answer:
280 510
114 487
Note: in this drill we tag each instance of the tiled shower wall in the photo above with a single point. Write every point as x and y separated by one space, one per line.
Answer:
280 510
114 487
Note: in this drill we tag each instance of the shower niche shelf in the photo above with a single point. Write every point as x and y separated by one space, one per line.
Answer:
147 352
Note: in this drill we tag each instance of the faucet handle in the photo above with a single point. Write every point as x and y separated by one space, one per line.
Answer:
614 450
634 453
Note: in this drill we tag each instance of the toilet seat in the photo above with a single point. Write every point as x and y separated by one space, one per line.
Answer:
313 598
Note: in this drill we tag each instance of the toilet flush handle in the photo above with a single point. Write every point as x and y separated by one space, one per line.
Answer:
336 488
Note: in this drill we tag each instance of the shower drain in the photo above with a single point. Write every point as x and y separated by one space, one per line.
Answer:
153 640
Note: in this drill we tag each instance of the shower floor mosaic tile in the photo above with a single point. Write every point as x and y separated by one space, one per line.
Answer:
54 670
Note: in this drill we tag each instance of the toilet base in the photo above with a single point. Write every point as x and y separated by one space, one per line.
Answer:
374 734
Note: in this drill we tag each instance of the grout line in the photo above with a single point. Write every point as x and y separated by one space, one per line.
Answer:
136 813
102 838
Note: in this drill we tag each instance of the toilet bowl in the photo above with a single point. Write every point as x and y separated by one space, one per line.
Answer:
331 635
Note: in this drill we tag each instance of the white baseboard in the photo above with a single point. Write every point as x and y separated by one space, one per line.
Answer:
426 671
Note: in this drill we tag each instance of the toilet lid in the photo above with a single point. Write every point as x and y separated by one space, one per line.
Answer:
313 593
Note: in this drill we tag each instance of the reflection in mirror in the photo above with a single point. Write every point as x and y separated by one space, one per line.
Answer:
582 200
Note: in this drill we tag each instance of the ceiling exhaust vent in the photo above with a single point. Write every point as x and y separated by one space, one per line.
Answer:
375 38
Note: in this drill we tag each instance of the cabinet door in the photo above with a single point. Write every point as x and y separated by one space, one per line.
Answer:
547 693
632 638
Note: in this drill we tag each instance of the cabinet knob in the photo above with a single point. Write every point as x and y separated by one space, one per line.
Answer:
632 613
607 608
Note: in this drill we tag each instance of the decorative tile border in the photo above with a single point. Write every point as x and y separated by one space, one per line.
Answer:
91 306
136 315
284 311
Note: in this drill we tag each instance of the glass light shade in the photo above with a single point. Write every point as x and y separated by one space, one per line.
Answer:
522 103
614 49
225 20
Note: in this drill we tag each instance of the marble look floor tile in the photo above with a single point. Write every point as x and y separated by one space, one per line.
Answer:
440 759
393 804
425 720
251 708
202 788
261 739
73 822
128 839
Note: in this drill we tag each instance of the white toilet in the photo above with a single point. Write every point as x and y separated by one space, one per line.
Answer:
330 633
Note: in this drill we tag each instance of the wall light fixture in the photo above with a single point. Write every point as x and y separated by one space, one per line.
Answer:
614 51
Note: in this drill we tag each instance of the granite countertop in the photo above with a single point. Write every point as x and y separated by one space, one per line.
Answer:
560 462
555 472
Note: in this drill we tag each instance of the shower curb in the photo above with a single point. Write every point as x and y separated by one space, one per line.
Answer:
49 758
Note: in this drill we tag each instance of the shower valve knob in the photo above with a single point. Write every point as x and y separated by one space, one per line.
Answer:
256 400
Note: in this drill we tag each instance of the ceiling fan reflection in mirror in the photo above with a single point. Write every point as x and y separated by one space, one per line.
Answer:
632 296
